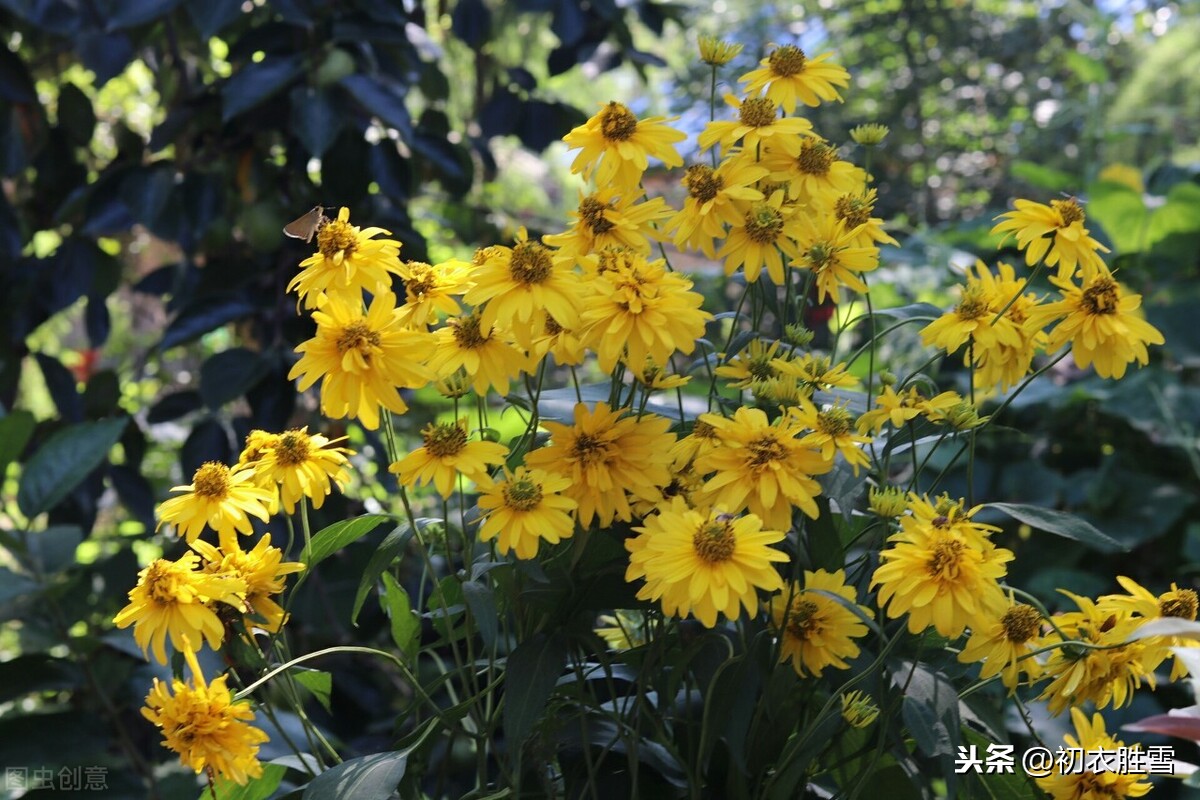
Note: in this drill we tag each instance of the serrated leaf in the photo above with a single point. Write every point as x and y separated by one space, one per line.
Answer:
373 777
405 624
328 541
530 673
1058 523
64 461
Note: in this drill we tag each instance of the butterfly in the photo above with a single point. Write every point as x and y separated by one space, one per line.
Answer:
306 227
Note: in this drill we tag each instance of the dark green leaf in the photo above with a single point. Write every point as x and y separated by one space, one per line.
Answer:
930 709
203 316
15 430
173 406
389 550
75 114
259 788
405 624
529 677
482 604
128 13
318 682
1059 523
315 119
228 375
13 585
54 548
373 777
912 311
64 461
254 83
385 101
328 541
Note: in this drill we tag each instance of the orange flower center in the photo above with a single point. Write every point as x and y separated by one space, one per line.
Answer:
358 336
293 448
1068 210
764 450
336 237
467 334
787 61
715 542
757 112
1179 603
212 480
702 182
446 439
530 263
946 558
160 582
1102 297
589 449
853 210
421 280
802 621
617 123
591 213
816 158
834 421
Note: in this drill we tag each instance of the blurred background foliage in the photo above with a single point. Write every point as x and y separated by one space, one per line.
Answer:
151 151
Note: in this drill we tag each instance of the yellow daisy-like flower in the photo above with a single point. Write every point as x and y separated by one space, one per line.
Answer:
757 362
858 709
828 249
755 241
817 372
362 359
703 563
642 311
1101 676
1004 639
348 261
565 345
304 465
941 572
515 284
258 442
971 321
761 466
430 290
1175 603
1004 363
815 630
702 439
220 498
656 378
524 509
490 358
1102 322
899 408
172 599
262 570
611 217
447 454
1071 781
202 723
832 432
616 146
713 202
1054 233
815 175
854 209
758 122
717 52
789 75
607 457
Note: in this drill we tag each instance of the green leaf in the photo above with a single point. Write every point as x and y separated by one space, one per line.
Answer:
1121 212
15 430
372 777
529 677
1059 523
316 681
328 541
389 550
930 709
259 788
406 625
1089 69
1041 176
917 311
821 539
481 602
228 375
53 549
64 461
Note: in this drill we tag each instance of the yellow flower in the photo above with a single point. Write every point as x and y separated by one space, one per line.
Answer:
304 465
854 209
202 723
702 439
528 506
827 248
447 454
430 290
516 284
565 345
172 599
755 241
348 261
789 75
362 359
1102 322
757 362
858 709
1070 781
887 501
869 134
817 372
832 432
217 497
713 202
257 443
1004 639
1106 675
898 408
655 378
490 358
703 563
1055 233
814 175
761 466
717 52
642 311
261 569
624 630
758 122
616 146
940 570
816 630
611 217
1175 603
607 457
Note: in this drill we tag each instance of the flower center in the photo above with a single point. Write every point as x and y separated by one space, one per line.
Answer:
336 237
816 158
802 621
853 210
757 112
946 558
820 255
1069 210
714 542
764 223
530 263
974 303
483 254
834 421
445 439
293 448
160 582
522 494
552 326
467 334
422 280
617 123
702 182
1180 603
787 61
589 449
1021 623
705 431
358 336
212 480
1102 297
765 450
759 366
591 213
